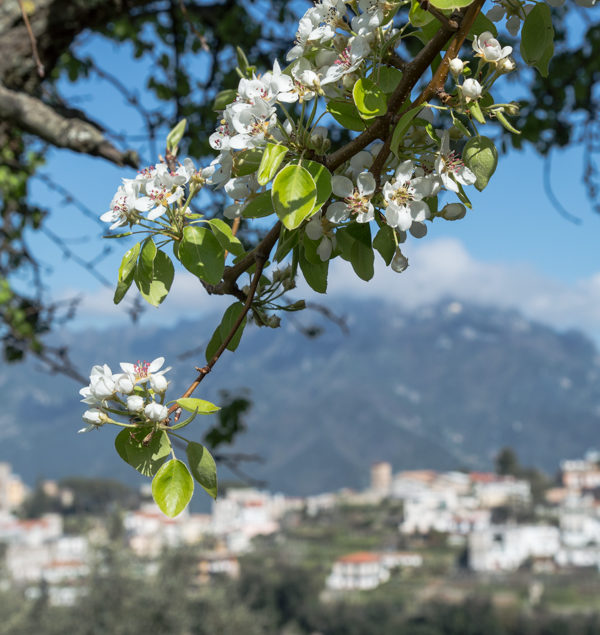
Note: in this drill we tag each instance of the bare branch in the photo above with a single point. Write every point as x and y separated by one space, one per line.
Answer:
36 117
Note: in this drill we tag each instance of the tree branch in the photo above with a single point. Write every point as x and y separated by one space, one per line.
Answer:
260 259
34 116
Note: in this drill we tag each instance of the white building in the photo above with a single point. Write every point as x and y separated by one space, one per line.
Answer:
360 571
507 547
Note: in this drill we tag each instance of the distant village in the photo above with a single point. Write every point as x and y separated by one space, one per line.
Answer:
460 506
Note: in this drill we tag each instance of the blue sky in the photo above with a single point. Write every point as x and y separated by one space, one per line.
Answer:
513 229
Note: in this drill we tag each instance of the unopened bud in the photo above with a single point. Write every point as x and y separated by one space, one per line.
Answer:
471 89
456 66
273 321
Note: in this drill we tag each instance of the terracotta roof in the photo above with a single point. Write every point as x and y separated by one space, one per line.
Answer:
360 556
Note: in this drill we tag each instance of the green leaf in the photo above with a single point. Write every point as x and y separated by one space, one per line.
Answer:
294 195
272 158
385 244
362 260
287 241
314 274
402 126
360 232
176 135
481 157
224 98
203 467
369 99
247 161
417 16
145 265
201 253
146 459
344 243
346 115
537 37
222 331
451 4
389 78
200 406
481 25
126 272
260 206
322 178
157 288
506 123
310 250
475 111
225 236
172 487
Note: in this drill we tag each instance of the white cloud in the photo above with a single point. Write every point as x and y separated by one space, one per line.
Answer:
438 268
443 268
187 299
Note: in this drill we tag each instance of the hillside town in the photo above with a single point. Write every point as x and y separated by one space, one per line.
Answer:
494 518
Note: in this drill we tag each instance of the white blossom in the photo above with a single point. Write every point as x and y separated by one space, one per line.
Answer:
102 382
450 167
143 371
404 197
488 47
156 412
122 207
135 403
357 201
471 89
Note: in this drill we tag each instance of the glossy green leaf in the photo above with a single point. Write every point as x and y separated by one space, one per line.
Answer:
417 16
201 253
126 272
360 232
172 487
481 157
176 135
225 236
157 288
451 4
222 331
314 274
344 243
369 99
272 158
385 244
346 114
260 206
145 265
146 459
203 467
310 250
322 178
199 406
294 195
402 127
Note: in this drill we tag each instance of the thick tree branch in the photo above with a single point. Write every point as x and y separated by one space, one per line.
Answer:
34 116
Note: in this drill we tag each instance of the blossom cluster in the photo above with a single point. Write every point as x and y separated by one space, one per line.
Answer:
137 394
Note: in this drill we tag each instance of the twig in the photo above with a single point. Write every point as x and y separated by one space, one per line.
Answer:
36 56
260 259
199 35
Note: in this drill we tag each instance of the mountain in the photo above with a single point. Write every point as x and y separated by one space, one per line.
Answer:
444 386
